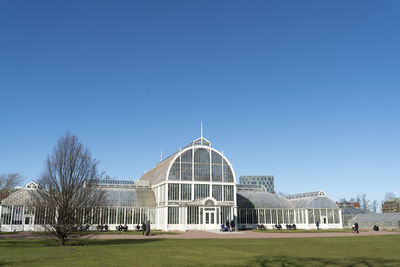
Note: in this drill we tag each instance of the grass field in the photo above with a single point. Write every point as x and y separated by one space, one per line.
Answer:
330 251
8 233
304 231
152 233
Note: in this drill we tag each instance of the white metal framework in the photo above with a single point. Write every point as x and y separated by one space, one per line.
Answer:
195 188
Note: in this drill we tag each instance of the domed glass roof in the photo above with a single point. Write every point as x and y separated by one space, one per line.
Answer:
261 199
132 197
20 197
314 203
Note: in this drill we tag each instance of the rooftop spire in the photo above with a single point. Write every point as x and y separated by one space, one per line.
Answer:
201 129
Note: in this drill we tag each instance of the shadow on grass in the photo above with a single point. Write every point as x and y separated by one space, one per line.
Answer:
107 242
26 243
312 261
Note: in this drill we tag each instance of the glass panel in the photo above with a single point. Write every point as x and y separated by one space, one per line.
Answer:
201 172
136 216
104 216
330 216
336 215
216 158
201 165
317 216
121 215
202 155
267 216
273 216
173 191
207 218
228 175
217 192
212 218
201 191
226 215
186 171
113 215
186 192
173 215
285 216
217 173
174 172
6 215
17 215
187 156
228 193
261 216
192 215
311 216
129 215
280 216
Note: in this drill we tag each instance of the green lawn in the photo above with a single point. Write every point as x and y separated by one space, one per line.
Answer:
152 233
322 251
8 233
304 231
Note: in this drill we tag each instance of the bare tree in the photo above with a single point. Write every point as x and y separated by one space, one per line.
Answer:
374 206
389 196
365 203
67 193
7 183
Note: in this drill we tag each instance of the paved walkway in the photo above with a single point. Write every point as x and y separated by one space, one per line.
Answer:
242 234
204 235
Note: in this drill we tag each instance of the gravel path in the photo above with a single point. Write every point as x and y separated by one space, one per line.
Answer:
245 234
203 235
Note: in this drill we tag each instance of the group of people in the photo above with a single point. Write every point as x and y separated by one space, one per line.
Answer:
101 227
85 227
121 228
291 226
145 228
277 226
261 227
228 227
355 227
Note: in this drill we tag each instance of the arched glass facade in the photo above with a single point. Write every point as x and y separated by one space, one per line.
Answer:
193 189
201 164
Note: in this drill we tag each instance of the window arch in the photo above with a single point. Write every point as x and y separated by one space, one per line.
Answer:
201 165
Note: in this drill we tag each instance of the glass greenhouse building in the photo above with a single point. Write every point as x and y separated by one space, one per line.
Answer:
193 189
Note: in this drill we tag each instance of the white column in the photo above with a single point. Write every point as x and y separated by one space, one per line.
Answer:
0 216
306 218
11 217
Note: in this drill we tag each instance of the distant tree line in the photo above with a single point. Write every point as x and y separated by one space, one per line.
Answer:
367 204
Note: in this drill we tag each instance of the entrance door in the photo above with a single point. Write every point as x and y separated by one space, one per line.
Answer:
28 223
210 220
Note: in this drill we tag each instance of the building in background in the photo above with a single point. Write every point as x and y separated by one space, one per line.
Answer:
264 181
348 204
193 189
391 206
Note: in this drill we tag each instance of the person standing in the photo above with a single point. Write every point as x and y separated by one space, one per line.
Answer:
148 228
143 228
317 224
356 227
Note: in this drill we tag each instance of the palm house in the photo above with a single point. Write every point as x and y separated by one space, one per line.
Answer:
193 189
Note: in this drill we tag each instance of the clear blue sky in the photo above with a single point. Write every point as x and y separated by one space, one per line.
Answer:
308 91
